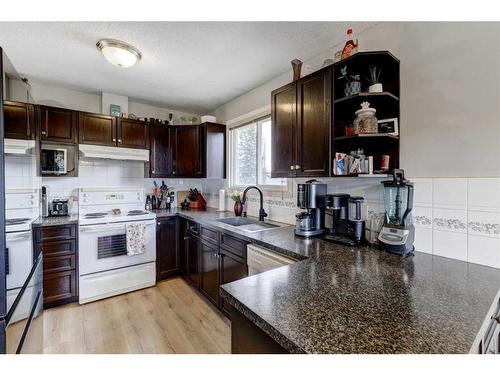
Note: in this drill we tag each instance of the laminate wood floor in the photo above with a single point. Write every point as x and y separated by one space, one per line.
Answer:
168 318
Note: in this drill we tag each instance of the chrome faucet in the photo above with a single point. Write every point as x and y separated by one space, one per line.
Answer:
262 213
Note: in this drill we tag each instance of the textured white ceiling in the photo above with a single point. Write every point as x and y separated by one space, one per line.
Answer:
194 66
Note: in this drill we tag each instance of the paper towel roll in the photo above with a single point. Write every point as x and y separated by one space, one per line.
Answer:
222 200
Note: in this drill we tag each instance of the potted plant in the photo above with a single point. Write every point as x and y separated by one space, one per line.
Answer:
374 79
352 85
238 206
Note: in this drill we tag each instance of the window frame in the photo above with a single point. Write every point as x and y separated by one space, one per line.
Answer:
248 120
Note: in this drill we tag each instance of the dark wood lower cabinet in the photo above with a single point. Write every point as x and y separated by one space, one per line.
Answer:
209 282
232 268
59 245
167 256
209 259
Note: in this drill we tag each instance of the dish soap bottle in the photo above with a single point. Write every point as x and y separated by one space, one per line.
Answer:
148 203
351 46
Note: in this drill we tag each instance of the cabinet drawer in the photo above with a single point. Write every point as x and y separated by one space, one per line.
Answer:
58 248
59 264
234 245
209 234
192 227
60 232
59 286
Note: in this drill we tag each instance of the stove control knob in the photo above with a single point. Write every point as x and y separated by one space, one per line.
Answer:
31 203
85 200
30 197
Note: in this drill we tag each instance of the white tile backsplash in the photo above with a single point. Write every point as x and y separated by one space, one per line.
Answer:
449 193
449 220
484 250
483 194
449 244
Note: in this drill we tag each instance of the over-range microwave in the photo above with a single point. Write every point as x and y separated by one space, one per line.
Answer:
53 160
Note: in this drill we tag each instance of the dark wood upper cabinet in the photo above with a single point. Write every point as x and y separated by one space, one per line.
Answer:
187 149
284 121
97 129
167 258
19 120
209 271
133 133
58 124
213 138
314 93
301 123
160 156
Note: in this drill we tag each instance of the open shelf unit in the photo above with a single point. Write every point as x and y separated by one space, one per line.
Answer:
387 104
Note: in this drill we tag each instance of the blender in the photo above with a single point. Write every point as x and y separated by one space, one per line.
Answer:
398 233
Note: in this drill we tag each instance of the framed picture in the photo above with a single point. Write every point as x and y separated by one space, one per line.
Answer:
388 126
115 110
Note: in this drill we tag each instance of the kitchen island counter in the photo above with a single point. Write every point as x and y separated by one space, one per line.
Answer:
342 299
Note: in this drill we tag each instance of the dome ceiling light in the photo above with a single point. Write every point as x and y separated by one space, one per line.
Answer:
118 53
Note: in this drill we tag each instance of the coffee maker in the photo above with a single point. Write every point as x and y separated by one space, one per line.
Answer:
311 196
398 233
348 227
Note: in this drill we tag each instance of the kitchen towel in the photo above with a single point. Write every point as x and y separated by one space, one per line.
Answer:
136 238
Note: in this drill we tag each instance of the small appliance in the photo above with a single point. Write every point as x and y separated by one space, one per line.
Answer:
398 233
59 207
53 160
45 201
347 226
311 196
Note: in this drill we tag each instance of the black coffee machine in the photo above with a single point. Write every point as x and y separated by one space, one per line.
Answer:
311 196
347 228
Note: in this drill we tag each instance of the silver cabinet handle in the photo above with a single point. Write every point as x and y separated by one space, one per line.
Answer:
291 167
297 166
44 132
119 141
186 238
158 223
152 171
114 139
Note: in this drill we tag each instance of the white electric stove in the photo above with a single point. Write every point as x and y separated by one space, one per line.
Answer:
105 269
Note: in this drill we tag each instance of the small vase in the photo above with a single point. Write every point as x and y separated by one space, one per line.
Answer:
352 88
296 66
238 208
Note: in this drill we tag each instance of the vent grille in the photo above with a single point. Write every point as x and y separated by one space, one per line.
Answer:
111 246
7 268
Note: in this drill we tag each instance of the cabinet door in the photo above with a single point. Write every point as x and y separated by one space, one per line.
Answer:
19 120
133 133
283 117
187 155
182 241
167 263
313 124
192 252
58 124
209 259
161 152
97 129
59 288
232 268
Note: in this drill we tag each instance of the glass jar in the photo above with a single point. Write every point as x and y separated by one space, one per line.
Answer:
365 122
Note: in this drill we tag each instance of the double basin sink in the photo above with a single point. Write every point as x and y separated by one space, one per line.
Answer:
248 225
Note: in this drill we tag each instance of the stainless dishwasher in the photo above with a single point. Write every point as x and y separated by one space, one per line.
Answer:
261 260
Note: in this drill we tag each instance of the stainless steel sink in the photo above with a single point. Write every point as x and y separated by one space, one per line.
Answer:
248 225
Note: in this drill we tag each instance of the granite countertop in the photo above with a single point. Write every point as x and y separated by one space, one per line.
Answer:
341 299
55 220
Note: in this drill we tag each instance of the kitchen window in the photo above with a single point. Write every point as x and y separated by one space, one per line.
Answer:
250 155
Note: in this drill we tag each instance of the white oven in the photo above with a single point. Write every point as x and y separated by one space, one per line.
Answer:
103 247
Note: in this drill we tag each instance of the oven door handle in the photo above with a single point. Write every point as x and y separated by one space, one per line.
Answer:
98 228
17 236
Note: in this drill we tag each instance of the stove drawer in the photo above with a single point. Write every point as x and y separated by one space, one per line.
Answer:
57 248
59 264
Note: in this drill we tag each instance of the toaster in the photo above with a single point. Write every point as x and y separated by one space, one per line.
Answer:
59 207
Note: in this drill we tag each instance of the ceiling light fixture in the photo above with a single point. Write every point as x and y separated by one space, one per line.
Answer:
118 53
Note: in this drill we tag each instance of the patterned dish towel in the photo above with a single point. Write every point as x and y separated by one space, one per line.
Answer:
136 239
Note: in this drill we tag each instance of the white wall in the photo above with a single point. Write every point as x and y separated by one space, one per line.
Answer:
450 90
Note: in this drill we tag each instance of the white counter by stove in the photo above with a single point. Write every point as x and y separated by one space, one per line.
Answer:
105 269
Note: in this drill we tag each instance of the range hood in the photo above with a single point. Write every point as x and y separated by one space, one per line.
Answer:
116 153
18 147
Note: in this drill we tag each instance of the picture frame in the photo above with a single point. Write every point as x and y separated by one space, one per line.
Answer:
114 110
388 126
